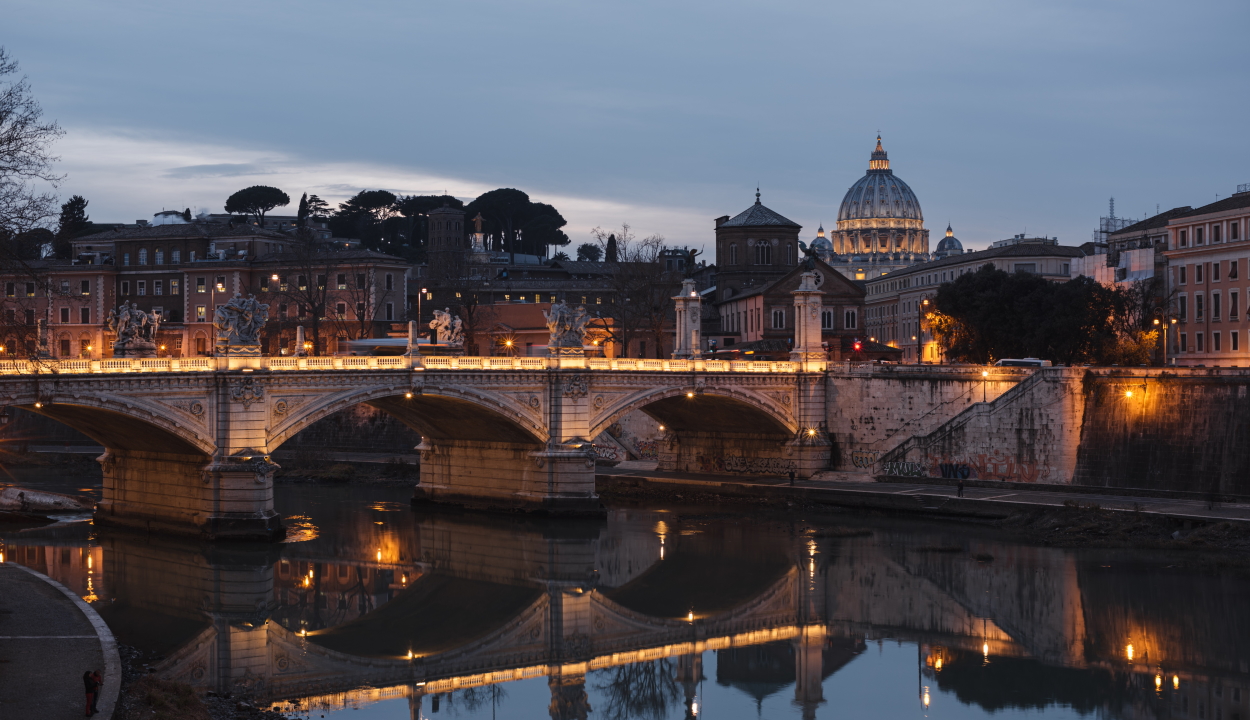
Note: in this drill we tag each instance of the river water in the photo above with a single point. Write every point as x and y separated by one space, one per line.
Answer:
375 611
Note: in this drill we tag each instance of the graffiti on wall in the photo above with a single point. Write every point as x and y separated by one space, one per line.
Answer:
606 452
905 469
998 466
647 449
864 458
740 464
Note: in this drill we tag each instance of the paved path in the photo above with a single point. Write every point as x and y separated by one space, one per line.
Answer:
926 497
48 638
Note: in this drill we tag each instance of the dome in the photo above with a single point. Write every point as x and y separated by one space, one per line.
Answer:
949 245
822 246
879 194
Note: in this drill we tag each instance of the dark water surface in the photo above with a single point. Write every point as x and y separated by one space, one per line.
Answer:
374 611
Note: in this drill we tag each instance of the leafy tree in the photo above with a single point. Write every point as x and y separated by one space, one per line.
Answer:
515 224
256 201
364 216
74 222
589 252
561 255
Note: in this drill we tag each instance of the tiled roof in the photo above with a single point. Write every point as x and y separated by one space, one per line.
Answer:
345 255
186 230
1158 221
1233 202
1019 250
758 216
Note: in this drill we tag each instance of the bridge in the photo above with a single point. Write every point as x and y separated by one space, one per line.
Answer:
188 441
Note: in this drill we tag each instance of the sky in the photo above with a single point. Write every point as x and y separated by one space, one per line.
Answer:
1003 117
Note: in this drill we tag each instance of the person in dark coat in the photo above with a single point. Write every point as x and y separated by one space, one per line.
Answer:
92 687
791 477
961 487
99 687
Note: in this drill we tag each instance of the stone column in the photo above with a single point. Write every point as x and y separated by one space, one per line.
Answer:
689 323
807 306
414 332
299 341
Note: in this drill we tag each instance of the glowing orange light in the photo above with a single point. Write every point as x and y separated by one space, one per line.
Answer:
689 394
408 395
690 616
1129 651
1176 682
1128 394
1158 681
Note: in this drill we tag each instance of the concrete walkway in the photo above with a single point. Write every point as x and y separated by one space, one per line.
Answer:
48 638
925 498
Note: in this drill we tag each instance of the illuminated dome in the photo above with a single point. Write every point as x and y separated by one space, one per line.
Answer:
949 245
879 194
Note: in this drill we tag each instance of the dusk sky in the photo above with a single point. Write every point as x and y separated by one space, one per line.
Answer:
1004 117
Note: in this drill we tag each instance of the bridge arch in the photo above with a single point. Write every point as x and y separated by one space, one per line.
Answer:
127 424
437 413
712 409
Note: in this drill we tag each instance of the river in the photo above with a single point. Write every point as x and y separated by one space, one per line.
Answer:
374 611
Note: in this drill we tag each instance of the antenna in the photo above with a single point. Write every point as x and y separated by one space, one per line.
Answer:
1113 208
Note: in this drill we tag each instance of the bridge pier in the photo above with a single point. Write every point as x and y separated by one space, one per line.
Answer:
558 478
184 494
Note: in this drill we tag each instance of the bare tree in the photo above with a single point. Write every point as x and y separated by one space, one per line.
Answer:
643 289
304 281
358 287
25 161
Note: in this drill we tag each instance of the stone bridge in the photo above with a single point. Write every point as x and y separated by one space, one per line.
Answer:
188 441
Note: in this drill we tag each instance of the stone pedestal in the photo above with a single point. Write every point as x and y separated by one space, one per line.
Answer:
557 479
807 334
135 349
689 322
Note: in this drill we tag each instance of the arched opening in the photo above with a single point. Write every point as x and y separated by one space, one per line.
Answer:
118 431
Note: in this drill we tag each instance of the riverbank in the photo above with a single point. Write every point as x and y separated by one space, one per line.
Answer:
1044 516
48 638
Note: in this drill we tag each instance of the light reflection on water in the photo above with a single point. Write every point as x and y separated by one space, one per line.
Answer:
662 613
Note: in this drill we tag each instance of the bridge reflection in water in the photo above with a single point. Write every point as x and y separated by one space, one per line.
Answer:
388 606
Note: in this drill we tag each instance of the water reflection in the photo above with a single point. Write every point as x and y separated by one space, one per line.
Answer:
407 615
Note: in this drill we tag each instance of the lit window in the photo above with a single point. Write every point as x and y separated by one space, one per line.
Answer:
201 311
84 287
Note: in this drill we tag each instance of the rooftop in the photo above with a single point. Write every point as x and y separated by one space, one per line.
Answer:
1232 202
1019 250
208 230
758 216
1150 223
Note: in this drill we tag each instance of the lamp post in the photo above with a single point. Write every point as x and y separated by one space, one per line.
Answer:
920 308
1164 321
985 378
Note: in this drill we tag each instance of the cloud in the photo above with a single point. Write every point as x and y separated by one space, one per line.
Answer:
216 170
125 175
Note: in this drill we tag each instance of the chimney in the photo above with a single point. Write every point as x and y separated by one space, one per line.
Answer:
721 220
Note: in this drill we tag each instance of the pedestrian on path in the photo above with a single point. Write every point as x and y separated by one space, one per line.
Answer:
961 487
92 687
99 688
791 477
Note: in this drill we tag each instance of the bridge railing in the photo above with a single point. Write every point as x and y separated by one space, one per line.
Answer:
340 362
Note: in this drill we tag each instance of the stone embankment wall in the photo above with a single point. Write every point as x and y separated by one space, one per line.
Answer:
873 409
1183 429
1178 429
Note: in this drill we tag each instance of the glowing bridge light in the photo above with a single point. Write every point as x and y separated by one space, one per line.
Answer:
985 650
1128 651
1128 393
1176 682
1158 682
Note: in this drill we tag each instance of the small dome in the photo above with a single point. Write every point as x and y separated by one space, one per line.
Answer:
949 245
822 246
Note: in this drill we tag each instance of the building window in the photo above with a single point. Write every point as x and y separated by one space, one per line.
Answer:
84 315
390 311
1215 306
733 253
1215 339
1026 268
199 285
390 281
1184 342
360 281
282 310
826 319
789 254
64 347
143 256
342 281
10 289
1232 230
143 287
1215 237
125 258
1183 308
1201 345
1198 308
175 257
360 311
173 287
1215 271
1198 241
191 255
1181 274
301 282
1184 240
340 310
201 343
65 315
851 319
125 287
30 316
84 288
1232 269
160 257
1198 273
1233 341
201 312
779 319
1233 308
763 253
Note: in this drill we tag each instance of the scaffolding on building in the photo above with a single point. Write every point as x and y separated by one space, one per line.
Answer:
1110 224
